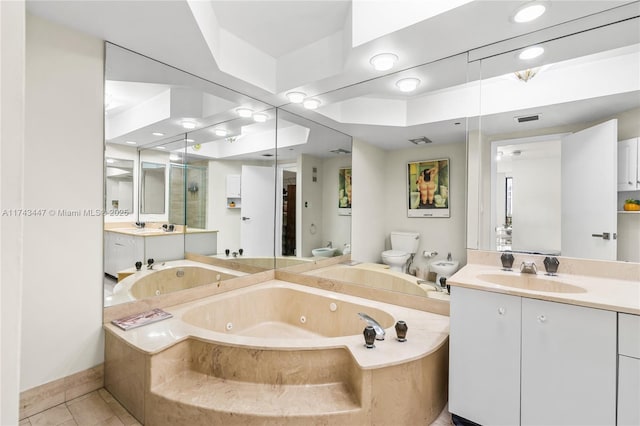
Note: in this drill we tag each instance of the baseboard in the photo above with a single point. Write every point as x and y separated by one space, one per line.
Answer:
43 397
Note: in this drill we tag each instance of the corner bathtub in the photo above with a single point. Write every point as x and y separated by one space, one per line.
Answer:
378 276
173 276
280 353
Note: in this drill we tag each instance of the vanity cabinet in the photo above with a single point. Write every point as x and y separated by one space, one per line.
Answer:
123 250
515 360
628 165
628 370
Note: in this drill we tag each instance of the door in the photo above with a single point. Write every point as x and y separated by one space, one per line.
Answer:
589 195
568 365
257 211
484 357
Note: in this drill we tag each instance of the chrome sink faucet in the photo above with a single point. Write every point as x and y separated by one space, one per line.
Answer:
330 245
434 285
528 268
373 323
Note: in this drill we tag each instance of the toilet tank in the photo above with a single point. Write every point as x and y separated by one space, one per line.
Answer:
405 241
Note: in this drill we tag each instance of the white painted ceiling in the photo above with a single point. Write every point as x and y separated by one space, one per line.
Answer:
263 49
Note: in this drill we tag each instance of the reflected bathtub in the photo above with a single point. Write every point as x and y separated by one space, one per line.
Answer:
378 276
280 353
173 276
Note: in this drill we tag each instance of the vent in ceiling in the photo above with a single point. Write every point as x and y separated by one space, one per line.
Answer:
421 141
526 118
340 151
267 155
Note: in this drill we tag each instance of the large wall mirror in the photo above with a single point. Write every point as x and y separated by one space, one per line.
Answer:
547 152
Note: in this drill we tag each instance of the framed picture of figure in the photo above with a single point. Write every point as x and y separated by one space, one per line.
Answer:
428 188
344 192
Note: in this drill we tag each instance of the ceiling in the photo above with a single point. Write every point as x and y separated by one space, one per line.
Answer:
264 49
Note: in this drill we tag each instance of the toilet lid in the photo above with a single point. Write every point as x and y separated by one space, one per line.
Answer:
394 253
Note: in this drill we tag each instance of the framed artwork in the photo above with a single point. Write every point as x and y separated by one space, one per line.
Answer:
428 188
344 192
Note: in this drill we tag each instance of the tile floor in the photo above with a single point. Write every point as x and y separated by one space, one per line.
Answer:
99 408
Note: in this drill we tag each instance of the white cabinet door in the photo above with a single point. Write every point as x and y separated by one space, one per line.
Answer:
233 186
629 391
628 159
568 364
484 357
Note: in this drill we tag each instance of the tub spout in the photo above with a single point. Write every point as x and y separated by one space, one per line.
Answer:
373 323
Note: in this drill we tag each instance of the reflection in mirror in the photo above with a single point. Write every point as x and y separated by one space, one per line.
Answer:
314 189
149 105
551 126
119 185
230 168
152 184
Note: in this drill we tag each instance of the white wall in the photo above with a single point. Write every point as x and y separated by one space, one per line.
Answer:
368 214
62 296
12 58
444 235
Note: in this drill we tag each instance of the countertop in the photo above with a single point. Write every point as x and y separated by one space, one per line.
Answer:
155 232
599 292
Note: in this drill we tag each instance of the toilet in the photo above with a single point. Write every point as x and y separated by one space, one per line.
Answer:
443 268
403 246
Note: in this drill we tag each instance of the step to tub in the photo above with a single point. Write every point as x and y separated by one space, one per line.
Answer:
209 393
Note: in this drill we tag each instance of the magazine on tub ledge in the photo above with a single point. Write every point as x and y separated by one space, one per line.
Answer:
143 318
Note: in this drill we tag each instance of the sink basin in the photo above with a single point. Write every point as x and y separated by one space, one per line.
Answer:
531 282
324 251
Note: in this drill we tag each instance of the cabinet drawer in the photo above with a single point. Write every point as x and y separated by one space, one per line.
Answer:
629 335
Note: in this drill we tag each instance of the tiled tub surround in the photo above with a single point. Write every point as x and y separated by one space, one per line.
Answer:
379 276
167 277
280 353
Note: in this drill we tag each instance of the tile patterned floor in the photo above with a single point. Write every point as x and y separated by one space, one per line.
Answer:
99 408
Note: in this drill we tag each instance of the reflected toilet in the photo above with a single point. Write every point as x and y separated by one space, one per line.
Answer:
404 246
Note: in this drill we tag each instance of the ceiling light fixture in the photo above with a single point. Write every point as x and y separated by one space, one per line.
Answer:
311 103
188 125
162 147
526 75
408 84
244 112
383 61
174 157
221 132
131 142
260 117
157 134
110 160
529 12
531 52
296 97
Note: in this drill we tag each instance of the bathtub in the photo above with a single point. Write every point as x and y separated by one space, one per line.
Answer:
280 353
167 278
378 276
262 262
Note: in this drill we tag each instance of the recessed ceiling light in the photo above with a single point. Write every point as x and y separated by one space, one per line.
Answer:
188 125
384 61
296 97
244 112
531 52
189 140
221 132
110 160
408 84
157 134
311 103
131 142
260 117
162 147
174 157
529 12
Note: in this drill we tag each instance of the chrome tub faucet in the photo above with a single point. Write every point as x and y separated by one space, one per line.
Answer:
373 323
